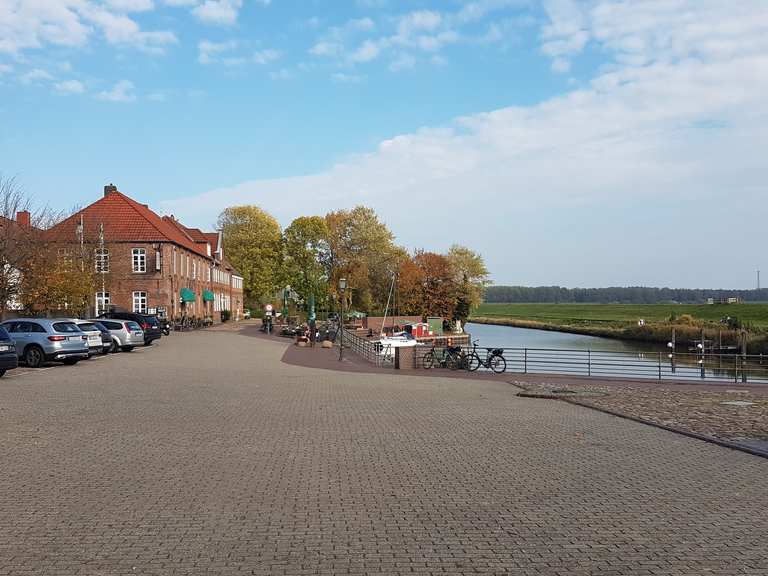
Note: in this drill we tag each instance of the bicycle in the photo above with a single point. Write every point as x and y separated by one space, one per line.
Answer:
447 358
494 359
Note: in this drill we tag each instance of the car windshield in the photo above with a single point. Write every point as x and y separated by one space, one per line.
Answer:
152 321
132 326
65 327
4 334
88 327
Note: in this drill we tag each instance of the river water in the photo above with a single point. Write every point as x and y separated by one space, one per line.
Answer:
513 337
576 354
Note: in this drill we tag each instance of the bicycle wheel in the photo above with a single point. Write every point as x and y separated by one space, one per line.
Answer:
472 362
452 362
498 364
429 361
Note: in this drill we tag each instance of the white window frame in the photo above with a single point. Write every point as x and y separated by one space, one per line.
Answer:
102 302
174 260
139 260
139 301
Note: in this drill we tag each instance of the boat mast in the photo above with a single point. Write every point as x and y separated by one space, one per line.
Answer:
389 297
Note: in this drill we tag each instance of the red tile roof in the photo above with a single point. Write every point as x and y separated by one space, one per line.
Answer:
124 220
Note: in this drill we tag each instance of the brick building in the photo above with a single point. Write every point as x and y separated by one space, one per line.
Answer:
151 263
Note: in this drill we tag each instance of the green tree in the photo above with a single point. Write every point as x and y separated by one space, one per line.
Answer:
470 277
305 244
253 244
362 250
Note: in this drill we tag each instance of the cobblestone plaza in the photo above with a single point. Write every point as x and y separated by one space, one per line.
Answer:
208 455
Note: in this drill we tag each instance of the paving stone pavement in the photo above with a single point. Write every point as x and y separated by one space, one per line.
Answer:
207 455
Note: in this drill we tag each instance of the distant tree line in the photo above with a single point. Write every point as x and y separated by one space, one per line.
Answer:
615 295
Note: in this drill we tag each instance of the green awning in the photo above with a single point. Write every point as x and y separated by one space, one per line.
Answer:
187 295
208 296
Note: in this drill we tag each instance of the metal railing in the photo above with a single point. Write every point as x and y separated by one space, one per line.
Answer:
369 350
656 365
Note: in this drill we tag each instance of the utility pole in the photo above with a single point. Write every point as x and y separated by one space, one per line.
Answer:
758 280
102 268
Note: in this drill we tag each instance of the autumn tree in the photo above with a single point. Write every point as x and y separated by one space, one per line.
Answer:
253 243
361 249
305 244
20 240
470 277
426 286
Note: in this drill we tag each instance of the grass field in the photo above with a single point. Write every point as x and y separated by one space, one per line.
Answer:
623 315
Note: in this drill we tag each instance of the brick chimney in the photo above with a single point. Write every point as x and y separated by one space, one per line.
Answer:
23 218
109 189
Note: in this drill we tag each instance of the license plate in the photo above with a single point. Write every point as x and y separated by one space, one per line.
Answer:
96 339
71 338
4 348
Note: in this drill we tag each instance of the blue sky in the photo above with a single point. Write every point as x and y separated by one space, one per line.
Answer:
594 142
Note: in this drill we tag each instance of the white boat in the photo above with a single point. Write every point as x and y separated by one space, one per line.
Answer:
385 346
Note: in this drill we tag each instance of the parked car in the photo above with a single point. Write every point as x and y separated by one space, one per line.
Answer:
8 357
126 334
40 340
106 337
95 344
149 324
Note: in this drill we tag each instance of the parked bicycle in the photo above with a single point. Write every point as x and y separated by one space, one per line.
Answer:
494 359
449 357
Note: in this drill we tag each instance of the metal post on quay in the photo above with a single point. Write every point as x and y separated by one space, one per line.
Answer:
342 289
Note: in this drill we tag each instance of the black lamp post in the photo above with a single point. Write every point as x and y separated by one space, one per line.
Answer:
342 288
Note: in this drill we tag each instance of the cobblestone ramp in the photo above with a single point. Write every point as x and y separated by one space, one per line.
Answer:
206 455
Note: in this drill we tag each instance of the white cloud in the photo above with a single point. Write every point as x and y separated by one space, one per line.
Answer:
69 87
282 74
221 12
402 62
5 68
326 48
28 24
131 5
679 115
343 78
367 51
35 76
123 91
265 56
209 52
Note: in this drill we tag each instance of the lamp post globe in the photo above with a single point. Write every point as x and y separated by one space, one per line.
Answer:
342 289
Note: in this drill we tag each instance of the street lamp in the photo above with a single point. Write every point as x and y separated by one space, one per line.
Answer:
342 288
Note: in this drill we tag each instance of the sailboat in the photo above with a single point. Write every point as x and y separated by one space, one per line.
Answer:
385 345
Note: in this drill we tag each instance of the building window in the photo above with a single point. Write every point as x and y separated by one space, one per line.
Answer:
194 270
158 260
102 302
139 260
102 260
174 260
140 302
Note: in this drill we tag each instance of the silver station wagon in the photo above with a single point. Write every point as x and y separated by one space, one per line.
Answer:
126 334
40 340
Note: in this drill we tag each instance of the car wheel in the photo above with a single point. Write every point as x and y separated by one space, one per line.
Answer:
106 350
148 343
2 373
34 357
71 361
115 347
127 348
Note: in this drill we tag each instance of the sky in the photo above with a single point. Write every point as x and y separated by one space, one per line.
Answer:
570 142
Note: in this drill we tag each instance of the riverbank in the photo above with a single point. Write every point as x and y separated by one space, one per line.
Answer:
659 333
